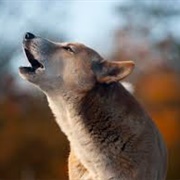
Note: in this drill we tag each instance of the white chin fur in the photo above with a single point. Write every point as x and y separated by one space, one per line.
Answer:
128 86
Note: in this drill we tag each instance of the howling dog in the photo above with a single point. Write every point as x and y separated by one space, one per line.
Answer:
111 136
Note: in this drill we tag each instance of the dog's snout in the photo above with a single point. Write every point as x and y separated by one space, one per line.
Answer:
29 35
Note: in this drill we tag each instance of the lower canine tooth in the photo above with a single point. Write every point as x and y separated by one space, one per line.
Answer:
39 70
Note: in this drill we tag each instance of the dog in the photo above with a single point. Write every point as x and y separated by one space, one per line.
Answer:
111 136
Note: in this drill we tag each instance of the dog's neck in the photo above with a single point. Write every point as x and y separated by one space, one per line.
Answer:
91 107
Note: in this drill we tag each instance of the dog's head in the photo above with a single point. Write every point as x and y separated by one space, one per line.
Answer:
68 66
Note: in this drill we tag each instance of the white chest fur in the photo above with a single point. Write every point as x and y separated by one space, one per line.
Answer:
80 140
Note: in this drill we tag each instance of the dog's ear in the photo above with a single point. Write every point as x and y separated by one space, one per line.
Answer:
112 71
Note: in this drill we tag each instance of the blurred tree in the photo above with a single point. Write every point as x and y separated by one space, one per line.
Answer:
151 23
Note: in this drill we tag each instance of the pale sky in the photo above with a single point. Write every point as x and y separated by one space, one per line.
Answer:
93 23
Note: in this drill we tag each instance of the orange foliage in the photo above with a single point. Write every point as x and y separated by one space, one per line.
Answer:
159 90
32 145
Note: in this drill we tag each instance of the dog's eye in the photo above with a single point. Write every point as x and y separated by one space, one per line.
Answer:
67 48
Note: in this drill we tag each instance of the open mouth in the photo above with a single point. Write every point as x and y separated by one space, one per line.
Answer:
35 64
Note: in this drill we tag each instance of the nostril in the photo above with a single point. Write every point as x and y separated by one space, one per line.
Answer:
29 35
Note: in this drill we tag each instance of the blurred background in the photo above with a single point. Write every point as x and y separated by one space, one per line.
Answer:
148 32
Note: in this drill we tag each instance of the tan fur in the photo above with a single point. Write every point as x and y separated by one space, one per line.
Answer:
76 169
111 136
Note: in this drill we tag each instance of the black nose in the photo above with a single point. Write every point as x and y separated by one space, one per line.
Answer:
29 35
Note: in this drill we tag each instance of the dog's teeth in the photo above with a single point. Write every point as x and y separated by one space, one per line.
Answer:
39 70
